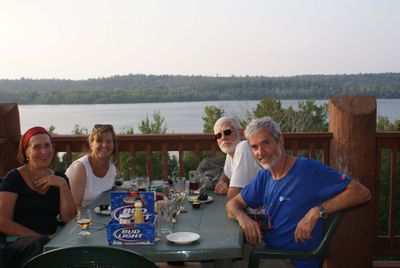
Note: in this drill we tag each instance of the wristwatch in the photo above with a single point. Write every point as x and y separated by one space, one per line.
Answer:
322 212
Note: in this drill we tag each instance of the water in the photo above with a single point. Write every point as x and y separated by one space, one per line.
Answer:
180 117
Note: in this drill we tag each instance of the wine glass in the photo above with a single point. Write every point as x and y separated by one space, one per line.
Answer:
118 180
179 185
177 199
83 219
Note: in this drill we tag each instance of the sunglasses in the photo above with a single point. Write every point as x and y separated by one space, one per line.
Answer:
226 132
106 126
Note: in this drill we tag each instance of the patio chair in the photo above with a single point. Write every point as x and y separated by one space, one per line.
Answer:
90 257
4 240
320 252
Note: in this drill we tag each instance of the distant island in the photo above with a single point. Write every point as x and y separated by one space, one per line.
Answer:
140 88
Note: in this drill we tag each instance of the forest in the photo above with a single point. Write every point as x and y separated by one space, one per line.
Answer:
140 88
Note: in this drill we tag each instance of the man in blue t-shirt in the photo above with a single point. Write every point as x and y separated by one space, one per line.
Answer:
296 194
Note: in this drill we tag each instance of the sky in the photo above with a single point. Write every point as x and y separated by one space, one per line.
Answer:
82 39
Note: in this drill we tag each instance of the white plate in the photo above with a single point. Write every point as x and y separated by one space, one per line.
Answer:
182 237
193 199
103 212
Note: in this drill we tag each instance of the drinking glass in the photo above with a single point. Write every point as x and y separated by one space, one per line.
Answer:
83 219
142 184
118 179
194 182
164 217
178 198
179 187
133 180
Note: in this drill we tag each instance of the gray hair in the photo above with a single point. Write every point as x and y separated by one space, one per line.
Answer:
264 122
230 120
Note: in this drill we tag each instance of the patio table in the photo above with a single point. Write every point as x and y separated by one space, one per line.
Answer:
221 239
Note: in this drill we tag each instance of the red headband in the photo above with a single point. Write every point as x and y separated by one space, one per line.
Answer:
30 133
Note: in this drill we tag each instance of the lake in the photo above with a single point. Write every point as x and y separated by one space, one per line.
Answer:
180 117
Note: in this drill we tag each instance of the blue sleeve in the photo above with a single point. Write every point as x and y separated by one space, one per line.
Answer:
253 193
330 181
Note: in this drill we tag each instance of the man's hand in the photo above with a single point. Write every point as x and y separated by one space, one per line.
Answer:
306 225
235 209
250 229
221 187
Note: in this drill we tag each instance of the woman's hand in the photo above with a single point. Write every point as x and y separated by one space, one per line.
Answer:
50 180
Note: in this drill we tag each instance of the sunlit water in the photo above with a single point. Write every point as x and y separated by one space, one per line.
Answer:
180 117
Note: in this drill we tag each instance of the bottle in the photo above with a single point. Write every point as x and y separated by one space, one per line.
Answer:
138 214
166 190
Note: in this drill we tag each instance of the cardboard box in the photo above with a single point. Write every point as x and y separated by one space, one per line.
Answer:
127 234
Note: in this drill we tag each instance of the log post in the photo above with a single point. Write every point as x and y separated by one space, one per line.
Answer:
10 133
352 121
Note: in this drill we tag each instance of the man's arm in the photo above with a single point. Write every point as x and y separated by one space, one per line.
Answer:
354 194
232 192
236 210
222 185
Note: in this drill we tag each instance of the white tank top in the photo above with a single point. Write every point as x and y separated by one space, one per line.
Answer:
95 185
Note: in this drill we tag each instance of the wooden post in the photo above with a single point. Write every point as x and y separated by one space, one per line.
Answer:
10 133
352 120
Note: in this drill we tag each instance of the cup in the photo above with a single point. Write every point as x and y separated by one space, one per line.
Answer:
133 181
165 209
142 184
118 179
194 182
179 184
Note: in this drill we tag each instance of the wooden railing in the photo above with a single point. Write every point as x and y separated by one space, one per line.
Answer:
387 187
315 145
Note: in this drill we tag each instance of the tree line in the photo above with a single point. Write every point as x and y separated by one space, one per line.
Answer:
139 88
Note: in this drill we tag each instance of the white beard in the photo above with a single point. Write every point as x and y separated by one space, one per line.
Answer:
274 160
229 150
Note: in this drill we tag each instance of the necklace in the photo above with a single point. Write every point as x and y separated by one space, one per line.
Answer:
30 176
281 173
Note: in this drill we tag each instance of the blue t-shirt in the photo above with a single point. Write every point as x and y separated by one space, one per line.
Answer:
307 184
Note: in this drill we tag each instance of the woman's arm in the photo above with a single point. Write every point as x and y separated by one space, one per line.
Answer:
7 225
77 181
67 205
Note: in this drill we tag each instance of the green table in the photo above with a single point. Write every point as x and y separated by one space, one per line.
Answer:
221 239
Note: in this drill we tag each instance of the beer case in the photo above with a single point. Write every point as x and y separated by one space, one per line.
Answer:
128 234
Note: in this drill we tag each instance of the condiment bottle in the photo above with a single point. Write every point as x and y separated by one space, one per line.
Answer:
138 214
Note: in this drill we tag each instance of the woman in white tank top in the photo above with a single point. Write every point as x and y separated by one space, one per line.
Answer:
93 173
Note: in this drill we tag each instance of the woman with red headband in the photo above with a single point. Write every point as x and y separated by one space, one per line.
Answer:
32 196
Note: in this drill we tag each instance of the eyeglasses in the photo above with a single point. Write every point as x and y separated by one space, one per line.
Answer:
106 126
226 132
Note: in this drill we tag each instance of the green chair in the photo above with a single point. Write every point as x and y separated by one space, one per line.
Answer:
320 252
90 257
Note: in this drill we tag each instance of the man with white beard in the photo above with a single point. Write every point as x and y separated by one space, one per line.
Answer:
240 165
